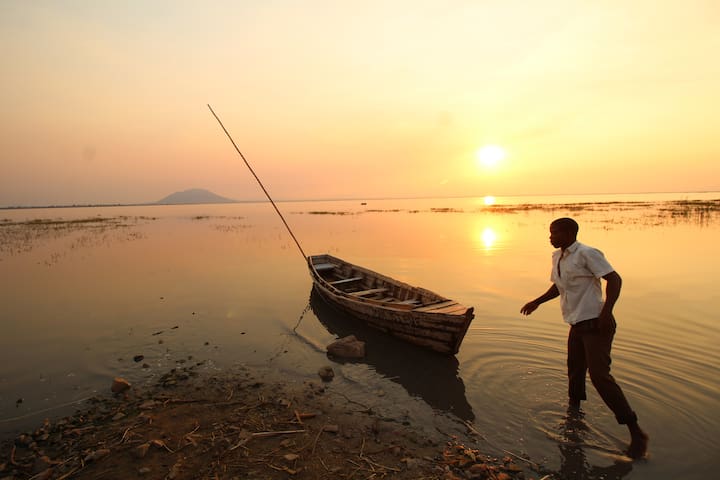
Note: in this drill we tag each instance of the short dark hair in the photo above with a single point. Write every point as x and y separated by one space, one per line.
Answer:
566 224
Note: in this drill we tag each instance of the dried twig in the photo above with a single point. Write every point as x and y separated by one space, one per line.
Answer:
190 437
279 432
125 433
380 465
474 431
246 439
316 439
351 400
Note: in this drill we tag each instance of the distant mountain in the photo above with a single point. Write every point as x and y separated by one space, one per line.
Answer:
194 195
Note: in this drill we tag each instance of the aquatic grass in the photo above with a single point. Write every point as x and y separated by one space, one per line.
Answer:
700 210
56 222
17 237
671 208
446 210
207 217
329 212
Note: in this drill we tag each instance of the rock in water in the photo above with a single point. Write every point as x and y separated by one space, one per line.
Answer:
347 347
119 385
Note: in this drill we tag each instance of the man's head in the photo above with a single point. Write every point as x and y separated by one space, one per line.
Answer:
563 232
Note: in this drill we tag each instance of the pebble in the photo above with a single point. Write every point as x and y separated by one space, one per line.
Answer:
96 455
326 373
119 385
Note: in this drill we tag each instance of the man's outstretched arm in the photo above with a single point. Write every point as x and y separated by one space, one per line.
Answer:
532 305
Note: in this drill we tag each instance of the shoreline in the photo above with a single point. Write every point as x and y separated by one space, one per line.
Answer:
247 423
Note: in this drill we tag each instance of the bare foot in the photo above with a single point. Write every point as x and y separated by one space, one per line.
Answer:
638 443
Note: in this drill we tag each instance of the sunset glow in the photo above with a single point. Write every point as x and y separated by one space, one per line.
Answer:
490 156
106 103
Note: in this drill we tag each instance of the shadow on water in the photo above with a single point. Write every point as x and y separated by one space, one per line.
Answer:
423 373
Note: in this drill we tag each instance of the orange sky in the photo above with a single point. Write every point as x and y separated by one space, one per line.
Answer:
105 102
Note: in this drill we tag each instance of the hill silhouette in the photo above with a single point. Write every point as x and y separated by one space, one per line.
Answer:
193 196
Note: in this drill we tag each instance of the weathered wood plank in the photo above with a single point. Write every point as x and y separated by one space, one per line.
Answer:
345 280
441 347
412 331
382 302
371 291
412 301
451 309
324 266
435 306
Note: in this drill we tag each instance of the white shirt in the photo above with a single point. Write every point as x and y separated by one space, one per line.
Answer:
578 281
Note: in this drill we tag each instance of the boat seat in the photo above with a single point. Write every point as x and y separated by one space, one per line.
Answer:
324 266
412 301
345 280
371 291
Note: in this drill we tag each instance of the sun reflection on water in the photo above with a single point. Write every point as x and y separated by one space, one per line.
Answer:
488 238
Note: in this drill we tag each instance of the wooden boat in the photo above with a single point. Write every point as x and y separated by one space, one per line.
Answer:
413 314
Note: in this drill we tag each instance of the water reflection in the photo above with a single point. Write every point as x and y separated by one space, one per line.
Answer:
429 375
488 237
573 460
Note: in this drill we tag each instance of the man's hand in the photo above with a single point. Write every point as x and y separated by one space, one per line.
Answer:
606 322
529 307
532 305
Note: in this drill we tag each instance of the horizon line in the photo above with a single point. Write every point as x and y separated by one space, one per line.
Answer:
420 197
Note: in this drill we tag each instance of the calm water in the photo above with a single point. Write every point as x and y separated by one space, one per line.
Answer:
225 284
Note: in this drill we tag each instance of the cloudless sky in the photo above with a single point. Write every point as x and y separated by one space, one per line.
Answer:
105 102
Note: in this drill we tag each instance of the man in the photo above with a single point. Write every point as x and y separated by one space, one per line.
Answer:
575 278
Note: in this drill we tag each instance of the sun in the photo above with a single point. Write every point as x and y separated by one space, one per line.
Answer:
490 156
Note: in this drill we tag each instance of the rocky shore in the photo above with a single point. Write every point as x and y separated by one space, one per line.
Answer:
241 425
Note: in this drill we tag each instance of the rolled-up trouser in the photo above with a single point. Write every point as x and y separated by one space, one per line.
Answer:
589 351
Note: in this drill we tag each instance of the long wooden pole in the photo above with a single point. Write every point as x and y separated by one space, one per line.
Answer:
259 183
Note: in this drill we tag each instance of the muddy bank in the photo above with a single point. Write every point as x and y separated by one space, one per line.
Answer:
245 424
